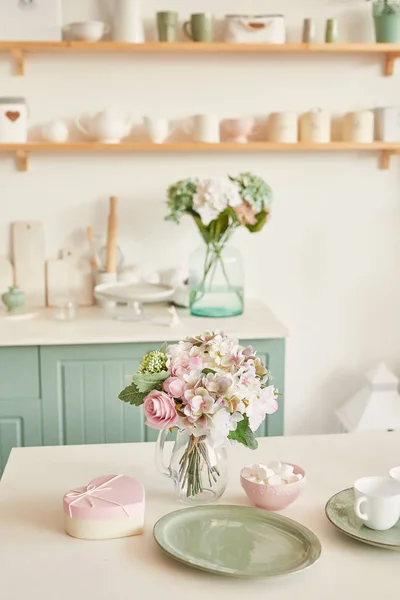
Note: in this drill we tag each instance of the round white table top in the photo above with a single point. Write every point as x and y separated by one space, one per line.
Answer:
38 561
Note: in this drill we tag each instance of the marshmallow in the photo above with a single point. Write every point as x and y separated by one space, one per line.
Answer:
275 473
286 471
247 472
275 465
274 480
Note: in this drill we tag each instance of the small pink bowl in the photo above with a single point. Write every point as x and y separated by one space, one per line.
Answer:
274 497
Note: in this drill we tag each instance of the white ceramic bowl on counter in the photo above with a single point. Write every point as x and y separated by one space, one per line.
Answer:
87 31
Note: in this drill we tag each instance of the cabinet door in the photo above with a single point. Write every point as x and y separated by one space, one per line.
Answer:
20 425
272 352
80 387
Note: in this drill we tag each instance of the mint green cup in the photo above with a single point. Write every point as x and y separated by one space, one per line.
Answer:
200 28
167 26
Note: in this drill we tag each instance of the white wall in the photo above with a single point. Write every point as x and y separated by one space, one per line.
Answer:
327 264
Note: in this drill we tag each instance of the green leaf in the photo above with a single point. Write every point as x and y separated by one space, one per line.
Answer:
146 382
131 395
206 371
163 348
244 435
261 220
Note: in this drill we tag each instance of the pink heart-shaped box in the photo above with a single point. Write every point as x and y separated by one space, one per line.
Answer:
108 507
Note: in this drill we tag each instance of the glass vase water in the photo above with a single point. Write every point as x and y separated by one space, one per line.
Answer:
198 471
216 280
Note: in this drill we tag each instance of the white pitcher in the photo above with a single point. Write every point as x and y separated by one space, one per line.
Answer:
128 24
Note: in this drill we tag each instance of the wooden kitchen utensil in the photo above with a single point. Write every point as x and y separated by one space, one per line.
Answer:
80 277
6 274
111 263
94 261
28 256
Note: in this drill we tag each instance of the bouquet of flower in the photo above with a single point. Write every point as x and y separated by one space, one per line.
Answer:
219 207
209 386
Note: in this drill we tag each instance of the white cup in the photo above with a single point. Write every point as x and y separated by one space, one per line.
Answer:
283 128
377 502
206 128
157 128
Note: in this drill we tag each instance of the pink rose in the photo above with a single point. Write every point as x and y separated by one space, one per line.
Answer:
174 387
159 410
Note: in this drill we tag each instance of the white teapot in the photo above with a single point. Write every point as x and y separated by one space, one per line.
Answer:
107 126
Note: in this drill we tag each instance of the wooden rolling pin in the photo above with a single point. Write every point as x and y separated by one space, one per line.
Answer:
111 262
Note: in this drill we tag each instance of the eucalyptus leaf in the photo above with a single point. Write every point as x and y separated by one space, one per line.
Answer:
206 371
146 382
163 348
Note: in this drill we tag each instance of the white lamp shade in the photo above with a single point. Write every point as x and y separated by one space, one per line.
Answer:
376 406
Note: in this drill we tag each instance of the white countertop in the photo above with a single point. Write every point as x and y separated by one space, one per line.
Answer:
94 326
40 562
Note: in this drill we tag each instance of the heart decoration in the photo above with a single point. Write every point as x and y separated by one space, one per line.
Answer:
13 115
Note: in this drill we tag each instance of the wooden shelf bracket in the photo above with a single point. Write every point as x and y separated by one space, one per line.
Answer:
19 60
385 159
390 62
22 160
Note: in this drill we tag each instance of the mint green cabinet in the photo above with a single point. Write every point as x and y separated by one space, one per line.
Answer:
20 405
80 387
56 395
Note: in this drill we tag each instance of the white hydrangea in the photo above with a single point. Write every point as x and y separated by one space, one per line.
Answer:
213 196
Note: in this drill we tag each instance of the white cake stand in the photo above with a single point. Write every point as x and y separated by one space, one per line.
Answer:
133 295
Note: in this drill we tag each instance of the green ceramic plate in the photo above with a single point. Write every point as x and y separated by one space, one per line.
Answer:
237 541
340 512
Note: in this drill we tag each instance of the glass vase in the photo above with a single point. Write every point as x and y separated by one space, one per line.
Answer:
216 280
198 471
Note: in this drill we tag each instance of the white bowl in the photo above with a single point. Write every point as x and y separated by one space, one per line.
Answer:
87 31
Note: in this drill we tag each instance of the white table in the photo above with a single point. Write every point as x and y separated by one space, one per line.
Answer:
38 561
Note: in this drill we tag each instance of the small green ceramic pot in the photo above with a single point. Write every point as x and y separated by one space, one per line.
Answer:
167 25
387 22
14 299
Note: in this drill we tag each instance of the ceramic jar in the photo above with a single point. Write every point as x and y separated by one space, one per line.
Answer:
359 127
388 124
315 127
283 128
128 25
14 299
13 121
256 29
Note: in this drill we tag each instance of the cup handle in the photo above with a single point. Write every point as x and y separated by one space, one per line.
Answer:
357 508
79 125
187 28
162 436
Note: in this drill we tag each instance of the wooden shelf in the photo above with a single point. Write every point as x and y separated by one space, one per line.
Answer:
22 151
18 50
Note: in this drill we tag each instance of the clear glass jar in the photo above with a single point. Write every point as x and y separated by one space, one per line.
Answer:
216 281
198 470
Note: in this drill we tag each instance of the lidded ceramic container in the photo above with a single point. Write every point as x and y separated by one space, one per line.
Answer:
14 299
13 120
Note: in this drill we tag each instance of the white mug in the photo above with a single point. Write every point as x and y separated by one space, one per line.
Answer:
206 128
377 502
157 128
315 127
283 128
